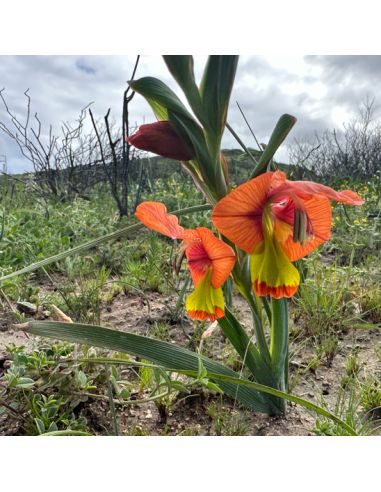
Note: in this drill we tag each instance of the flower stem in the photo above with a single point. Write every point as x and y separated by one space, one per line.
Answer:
279 344
241 276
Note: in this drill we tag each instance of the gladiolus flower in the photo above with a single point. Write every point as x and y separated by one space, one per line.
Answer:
162 138
278 221
210 260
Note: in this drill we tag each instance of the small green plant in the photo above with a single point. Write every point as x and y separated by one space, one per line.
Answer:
370 396
82 300
327 348
348 408
352 365
137 430
148 268
370 303
160 331
41 386
48 414
226 424
325 303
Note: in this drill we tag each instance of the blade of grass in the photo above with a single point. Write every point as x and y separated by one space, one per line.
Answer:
241 143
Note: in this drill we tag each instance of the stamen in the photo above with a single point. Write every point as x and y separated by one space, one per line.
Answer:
296 229
303 227
300 233
176 265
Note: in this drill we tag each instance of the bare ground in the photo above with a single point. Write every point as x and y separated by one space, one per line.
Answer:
130 312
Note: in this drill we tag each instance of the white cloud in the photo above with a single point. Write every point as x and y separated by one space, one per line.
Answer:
320 91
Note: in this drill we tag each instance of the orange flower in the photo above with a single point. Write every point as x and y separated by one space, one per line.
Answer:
210 260
278 221
162 138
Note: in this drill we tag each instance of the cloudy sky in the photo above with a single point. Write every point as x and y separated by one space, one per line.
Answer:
321 91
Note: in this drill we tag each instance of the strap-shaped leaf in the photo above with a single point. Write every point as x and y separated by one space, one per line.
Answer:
168 356
181 67
160 97
280 132
193 132
289 397
238 337
253 360
215 89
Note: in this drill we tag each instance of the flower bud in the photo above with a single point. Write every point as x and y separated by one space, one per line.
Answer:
162 138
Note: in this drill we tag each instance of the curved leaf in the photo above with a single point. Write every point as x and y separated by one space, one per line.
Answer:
160 97
165 354
215 89
181 67
280 132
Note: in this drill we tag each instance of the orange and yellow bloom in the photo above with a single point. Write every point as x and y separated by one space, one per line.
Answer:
210 260
278 221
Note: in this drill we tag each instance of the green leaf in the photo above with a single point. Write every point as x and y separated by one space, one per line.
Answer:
53 427
66 433
366 326
181 67
178 386
251 357
280 132
215 89
195 136
160 97
170 357
24 383
286 396
40 425
234 331
81 379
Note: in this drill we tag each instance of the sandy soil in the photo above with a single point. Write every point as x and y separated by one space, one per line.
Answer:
130 312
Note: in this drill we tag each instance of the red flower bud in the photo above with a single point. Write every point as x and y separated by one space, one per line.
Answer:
162 138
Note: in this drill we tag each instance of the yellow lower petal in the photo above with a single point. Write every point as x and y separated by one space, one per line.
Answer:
205 302
272 273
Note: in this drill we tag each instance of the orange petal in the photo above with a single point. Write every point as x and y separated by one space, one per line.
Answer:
210 250
306 189
198 260
221 255
155 216
238 216
319 213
